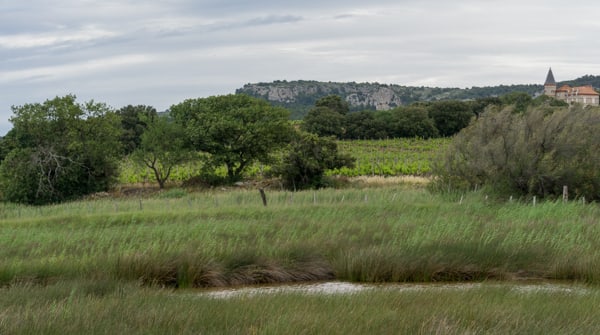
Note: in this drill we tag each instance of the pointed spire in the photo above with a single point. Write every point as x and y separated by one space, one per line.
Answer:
550 78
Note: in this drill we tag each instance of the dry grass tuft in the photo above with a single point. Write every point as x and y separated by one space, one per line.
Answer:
389 181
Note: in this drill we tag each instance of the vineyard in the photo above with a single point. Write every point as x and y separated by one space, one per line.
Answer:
391 157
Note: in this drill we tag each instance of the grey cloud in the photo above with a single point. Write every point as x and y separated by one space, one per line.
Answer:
253 22
161 52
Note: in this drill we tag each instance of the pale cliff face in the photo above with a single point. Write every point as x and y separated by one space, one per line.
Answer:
379 97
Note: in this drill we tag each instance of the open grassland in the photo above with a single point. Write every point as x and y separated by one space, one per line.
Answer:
389 234
110 266
101 307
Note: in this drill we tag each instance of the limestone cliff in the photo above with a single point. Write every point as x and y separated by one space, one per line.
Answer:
300 96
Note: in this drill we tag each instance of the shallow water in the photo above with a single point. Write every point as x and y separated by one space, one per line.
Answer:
336 287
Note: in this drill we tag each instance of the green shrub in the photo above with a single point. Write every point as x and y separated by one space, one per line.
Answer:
63 150
307 159
532 153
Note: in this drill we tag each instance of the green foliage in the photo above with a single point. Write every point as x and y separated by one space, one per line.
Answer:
134 120
324 121
536 153
364 125
548 101
327 118
582 81
307 159
450 116
518 100
63 150
236 130
480 105
19 178
335 103
411 122
330 118
162 147
8 142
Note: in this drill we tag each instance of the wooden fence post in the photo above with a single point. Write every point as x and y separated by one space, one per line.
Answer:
263 196
565 193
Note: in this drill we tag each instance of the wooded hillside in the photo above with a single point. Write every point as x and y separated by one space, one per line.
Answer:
299 96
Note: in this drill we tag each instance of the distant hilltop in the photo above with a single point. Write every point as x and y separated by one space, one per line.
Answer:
299 96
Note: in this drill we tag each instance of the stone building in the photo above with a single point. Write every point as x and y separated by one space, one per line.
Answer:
585 95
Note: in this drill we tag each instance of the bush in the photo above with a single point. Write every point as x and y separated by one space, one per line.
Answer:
61 150
531 153
306 160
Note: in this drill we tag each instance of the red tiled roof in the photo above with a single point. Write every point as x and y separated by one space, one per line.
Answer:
585 90
579 90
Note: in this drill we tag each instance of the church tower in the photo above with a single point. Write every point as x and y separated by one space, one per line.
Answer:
550 84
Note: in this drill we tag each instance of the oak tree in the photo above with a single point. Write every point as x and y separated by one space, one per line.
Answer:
236 130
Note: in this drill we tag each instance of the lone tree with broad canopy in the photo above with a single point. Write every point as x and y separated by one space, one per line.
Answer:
162 147
236 130
61 150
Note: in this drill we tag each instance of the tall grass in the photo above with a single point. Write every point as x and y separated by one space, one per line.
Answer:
99 307
391 234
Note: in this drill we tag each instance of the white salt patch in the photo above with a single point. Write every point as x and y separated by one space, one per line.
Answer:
349 288
316 288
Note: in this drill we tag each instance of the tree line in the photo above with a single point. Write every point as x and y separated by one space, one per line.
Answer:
331 116
62 149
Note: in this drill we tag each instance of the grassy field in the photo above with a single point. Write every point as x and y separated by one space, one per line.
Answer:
227 237
106 266
118 308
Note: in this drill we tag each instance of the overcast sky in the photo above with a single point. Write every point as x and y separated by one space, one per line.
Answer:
159 53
